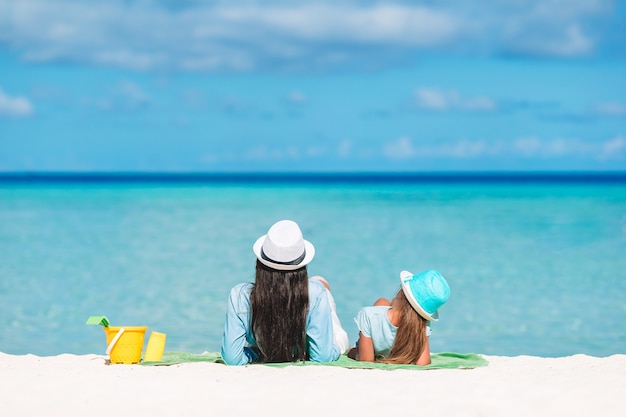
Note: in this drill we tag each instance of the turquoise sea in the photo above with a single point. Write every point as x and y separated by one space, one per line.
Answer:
536 267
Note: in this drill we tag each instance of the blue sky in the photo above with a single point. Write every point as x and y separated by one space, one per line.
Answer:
220 86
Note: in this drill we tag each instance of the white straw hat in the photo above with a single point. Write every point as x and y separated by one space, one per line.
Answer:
283 247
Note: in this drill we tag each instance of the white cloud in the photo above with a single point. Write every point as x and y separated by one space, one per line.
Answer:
467 149
132 92
400 149
345 148
435 99
568 42
209 159
479 103
399 24
535 147
14 106
532 147
432 99
242 37
611 109
297 97
613 149
264 153
555 28
235 106
194 99
403 148
529 147
305 36
269 153
315 151
125 95
117 56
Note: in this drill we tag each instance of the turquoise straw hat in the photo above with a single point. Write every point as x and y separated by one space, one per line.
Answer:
426 291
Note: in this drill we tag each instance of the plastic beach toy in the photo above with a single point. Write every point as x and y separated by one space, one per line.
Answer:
101 320
156 345
125 343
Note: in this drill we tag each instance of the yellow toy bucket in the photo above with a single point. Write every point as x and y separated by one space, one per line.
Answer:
125 343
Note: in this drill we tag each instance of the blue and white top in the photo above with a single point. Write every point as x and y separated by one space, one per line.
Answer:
373 323
238 337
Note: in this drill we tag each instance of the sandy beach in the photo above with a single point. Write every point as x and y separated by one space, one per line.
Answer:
82 385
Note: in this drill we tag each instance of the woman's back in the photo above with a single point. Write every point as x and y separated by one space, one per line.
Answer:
238 343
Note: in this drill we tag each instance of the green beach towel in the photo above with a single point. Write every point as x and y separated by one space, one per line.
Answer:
444 360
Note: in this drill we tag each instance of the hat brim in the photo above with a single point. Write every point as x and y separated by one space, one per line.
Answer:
409 295
308 257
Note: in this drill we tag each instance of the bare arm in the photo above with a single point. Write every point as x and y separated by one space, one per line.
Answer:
424 358
366 349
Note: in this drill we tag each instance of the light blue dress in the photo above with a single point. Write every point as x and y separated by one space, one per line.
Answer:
373 323
238 337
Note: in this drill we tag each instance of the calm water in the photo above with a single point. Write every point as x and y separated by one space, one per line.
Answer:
537 269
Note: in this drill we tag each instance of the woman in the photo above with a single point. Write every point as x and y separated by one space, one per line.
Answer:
284 316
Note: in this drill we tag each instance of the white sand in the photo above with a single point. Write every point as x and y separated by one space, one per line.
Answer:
71 385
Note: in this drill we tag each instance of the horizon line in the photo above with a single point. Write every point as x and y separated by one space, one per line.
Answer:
310 177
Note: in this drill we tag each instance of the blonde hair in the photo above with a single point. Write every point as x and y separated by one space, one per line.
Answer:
411 336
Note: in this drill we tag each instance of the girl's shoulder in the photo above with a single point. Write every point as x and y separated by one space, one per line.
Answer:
376 309
371 319
373 311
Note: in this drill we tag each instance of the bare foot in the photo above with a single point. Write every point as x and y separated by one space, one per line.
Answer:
353 353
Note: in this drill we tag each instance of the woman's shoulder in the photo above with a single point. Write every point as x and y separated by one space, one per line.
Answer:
316 286
239 297
242 289
317 294
242 286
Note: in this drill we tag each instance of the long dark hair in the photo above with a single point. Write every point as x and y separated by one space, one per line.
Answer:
411 334
280 303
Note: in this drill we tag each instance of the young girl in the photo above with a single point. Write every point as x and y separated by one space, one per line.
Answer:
398 331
